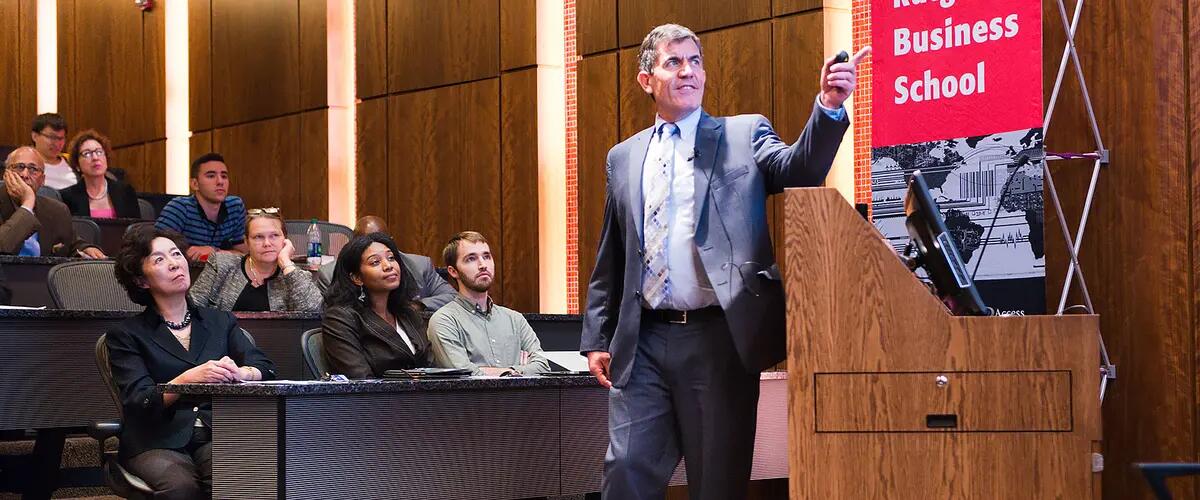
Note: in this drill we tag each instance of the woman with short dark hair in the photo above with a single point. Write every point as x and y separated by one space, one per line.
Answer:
163 441
371 324
97 194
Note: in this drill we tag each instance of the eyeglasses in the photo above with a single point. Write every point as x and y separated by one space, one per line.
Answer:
264 211
55 138
31 167
92 154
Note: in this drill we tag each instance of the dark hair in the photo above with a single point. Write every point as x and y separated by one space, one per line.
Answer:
77 144
450 253
135 248
204 158
343 292
52 120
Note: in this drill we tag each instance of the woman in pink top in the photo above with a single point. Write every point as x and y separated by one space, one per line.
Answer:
97 195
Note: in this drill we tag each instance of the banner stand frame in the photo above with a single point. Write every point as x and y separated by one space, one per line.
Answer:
1100 158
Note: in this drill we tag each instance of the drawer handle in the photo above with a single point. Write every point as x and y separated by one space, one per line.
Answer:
941 421
942 381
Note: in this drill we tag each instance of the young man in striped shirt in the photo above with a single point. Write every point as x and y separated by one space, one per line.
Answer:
211 219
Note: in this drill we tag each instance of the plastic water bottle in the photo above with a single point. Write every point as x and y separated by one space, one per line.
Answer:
314 244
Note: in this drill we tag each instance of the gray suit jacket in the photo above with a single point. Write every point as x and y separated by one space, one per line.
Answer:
432 290
222 281
740 161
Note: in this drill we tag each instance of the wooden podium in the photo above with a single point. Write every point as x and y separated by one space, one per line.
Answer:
891 397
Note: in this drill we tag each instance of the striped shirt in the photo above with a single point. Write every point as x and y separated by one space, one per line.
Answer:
184 214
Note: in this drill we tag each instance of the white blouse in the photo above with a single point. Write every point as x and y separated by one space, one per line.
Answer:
404 336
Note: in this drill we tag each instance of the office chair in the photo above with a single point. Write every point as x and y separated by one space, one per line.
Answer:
1157 473
312 345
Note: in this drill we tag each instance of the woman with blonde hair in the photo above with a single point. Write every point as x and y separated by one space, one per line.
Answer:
266 279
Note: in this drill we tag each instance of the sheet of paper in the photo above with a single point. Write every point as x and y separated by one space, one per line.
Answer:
571 360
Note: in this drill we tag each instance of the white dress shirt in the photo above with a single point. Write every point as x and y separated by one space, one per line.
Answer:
689 285
689 288
59 175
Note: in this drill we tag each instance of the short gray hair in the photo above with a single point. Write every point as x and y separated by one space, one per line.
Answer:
648 54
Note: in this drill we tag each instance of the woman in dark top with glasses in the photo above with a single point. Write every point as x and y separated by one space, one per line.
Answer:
265 279
97 194
371 324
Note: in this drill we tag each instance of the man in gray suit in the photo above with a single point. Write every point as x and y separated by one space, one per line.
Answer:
685 305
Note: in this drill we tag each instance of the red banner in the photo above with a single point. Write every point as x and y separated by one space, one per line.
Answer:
954 68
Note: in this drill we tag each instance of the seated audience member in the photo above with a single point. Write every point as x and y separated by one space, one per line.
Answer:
370 224
370 325
263 280
49 135
35 225
474 332
211 219
97 196
432 290
164 441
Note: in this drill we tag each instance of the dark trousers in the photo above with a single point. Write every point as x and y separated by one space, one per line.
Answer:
687 392
177 474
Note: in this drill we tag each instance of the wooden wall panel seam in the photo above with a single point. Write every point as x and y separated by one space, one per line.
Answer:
438 87
267 118
519 69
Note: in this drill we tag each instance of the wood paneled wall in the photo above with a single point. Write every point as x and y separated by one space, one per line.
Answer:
757 61
1139 250
112 78
19 80
258 97
447 134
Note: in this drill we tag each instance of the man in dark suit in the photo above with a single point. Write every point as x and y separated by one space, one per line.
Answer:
685 305
31 224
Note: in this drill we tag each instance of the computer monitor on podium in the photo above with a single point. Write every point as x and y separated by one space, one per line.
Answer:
938 253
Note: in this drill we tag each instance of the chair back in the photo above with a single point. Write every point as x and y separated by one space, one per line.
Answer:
49 192
135 225
313 346
88 285
87 229
146 210
333 236
248 336
106 373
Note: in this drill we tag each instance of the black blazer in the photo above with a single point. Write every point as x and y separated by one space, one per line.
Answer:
359 344
123 197
144 353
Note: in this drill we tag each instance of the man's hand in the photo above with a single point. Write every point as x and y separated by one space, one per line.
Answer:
838 80
200 253
18 189
494 371
94 253
598 364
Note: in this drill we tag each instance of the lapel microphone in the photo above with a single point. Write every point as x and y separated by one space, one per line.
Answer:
695 155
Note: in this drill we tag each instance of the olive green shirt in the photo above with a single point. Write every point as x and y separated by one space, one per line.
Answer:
462 335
